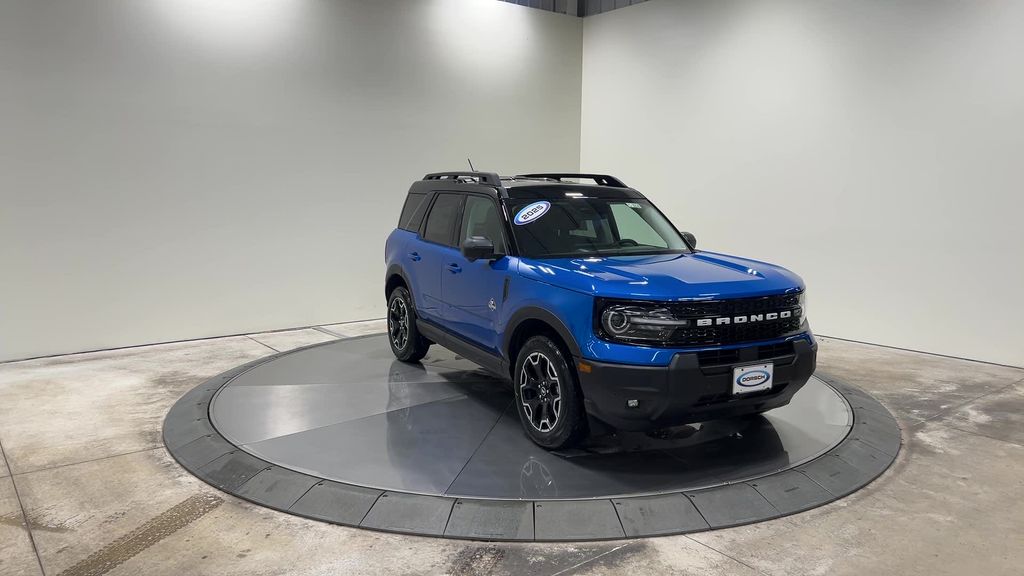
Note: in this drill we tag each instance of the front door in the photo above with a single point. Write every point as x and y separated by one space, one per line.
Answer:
473 291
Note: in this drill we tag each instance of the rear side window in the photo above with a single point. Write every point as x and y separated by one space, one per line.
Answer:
412 212
441 221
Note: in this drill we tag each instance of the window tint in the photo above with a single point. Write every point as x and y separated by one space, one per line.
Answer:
412 212
441 220
632 226
580 227
480 218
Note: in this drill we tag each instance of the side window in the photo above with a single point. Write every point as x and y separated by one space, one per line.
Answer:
442 219
412 212
481 218
633 226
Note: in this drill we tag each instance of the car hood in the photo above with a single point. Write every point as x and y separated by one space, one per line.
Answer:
701 275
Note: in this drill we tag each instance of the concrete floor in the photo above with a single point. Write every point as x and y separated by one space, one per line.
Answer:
86 486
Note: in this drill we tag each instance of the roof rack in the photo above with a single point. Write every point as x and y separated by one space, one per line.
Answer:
489 178
600 179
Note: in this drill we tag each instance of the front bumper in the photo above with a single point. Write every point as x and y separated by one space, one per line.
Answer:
694 387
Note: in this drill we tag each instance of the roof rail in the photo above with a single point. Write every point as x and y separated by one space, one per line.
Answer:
489 178
600 179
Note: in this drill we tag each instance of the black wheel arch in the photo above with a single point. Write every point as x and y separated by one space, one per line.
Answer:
395 277
530 321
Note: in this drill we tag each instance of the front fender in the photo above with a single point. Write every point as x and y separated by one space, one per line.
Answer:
536 313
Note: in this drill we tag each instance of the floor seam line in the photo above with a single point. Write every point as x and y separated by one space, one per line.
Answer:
717 551
973 433
343 336
247 444
353 321
24 514
323 330
249 479
971 401
319 482
331 332
59 466
262 344
186 340
477 449
820 485
533 510
695 507
763 497
617 517
589 560
921 352
444 531
370 509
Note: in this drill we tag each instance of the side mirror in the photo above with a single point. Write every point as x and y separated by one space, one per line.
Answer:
690 239
477 248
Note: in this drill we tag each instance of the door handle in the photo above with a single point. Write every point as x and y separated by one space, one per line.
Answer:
415 256
454 268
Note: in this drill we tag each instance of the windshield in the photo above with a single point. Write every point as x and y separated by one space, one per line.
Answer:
573 227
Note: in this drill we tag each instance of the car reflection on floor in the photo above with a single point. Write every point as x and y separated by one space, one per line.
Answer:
486 454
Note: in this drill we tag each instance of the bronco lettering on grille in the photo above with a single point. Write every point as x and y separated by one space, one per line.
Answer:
744 319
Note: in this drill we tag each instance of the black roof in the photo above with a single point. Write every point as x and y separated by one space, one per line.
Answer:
528 186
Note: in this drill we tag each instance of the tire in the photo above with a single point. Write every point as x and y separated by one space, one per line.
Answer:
546 387
407 343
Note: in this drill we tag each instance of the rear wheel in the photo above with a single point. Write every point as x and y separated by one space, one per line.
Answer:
547 395
406 341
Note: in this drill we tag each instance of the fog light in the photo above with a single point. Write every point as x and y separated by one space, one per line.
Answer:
632 403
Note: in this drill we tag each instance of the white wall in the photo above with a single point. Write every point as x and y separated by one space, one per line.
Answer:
176 169
874 147
181 168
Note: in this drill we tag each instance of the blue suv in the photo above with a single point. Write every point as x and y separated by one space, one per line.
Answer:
585 296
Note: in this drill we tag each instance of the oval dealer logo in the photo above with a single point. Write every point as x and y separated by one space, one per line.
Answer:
752 378
531 212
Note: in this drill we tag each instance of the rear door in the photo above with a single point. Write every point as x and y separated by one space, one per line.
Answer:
473 291
430 252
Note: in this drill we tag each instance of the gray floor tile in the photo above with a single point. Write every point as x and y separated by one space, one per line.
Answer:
654 515
409 513
577 520
336 502
732 505
499 520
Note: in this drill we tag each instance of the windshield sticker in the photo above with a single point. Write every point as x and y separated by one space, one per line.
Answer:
633 205
532 212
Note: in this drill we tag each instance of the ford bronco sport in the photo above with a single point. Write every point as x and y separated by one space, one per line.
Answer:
592 303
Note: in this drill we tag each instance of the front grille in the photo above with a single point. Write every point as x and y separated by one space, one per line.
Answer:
775 350
718 357
733 334
717 334
735 306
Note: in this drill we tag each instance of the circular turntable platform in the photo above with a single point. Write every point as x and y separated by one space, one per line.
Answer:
343 432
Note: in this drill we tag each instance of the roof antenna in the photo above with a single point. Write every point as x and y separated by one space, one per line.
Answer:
471 169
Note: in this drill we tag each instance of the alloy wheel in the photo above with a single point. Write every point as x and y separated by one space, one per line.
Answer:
398 323
540 391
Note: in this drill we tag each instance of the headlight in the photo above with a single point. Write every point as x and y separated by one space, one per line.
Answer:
803 307
639 323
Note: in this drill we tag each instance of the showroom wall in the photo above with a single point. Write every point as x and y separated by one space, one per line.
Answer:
175 169
876 148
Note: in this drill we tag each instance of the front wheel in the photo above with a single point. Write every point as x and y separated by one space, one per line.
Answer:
548 396
406 341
